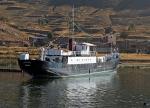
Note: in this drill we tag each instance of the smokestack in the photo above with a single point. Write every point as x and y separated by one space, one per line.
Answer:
70 44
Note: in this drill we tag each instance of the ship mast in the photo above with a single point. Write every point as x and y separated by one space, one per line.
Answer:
72 30
73 20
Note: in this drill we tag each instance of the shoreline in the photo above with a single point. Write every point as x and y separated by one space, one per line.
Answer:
9 56
134 60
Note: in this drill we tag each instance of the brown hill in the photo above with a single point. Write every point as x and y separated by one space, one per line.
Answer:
23 18
9 34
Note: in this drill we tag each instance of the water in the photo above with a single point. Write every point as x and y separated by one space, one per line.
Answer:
127 88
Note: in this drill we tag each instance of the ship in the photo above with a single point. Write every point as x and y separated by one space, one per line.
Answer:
80 59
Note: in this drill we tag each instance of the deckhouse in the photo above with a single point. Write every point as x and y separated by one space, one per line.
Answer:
81 49
81 53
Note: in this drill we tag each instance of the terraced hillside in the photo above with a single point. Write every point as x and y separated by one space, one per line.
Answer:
22 19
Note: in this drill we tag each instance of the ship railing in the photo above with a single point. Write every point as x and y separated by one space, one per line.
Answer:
83 53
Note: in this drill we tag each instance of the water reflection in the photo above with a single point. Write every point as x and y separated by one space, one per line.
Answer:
66 93
126 88
10 89
134 88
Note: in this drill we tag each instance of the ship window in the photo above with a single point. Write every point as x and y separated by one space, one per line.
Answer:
92 48
85 47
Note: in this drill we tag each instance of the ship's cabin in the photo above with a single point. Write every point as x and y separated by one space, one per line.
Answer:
80 49
81 53
84 49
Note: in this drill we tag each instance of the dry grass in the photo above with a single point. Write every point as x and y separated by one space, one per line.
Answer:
127 56
13 52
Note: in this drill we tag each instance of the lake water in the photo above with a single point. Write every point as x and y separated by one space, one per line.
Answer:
126 88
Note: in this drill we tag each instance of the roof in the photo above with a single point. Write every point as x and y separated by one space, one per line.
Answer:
88 44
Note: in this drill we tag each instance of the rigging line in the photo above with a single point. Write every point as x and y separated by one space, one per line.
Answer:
88 33
73 19
82 30
52 42
74 24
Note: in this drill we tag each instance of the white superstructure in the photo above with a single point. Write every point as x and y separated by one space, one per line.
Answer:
83 53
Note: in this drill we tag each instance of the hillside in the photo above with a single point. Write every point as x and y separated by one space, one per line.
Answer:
34 18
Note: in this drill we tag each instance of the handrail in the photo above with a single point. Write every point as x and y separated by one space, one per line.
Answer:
83 53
